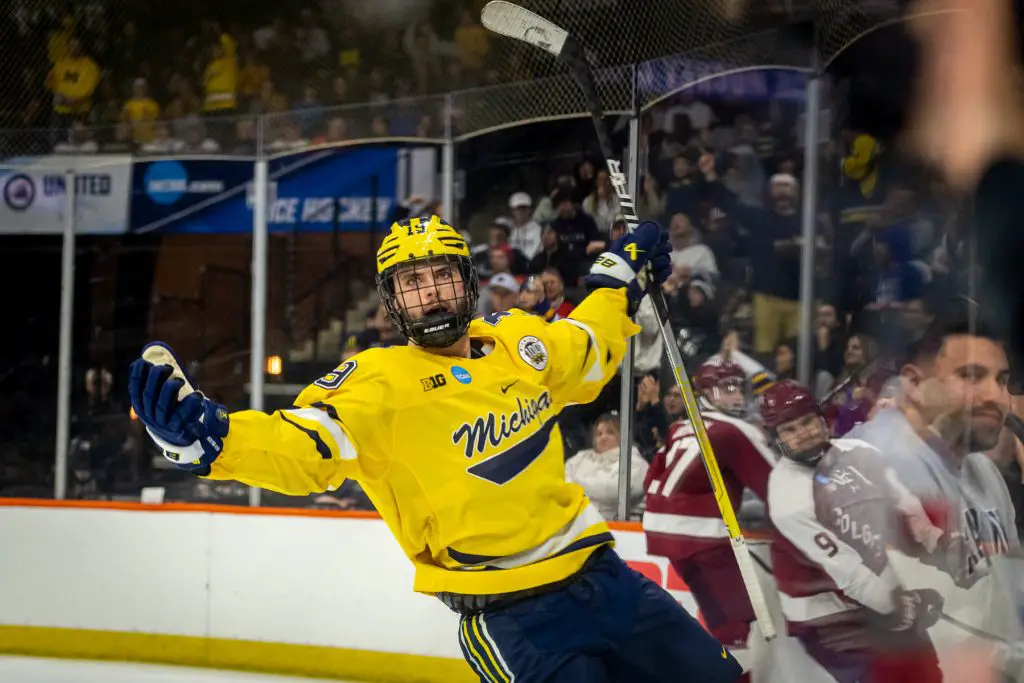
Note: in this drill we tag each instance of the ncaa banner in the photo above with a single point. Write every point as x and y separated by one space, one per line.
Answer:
310 190
33 191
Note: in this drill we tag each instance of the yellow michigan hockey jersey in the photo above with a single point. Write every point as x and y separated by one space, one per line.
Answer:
462 457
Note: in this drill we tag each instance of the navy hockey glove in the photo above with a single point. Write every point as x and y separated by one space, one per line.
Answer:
188 427
618 267
914 609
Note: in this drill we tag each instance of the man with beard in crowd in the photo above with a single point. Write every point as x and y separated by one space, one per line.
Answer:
577 231
951 404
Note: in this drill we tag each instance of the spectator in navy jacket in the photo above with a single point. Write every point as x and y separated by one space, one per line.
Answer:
576 230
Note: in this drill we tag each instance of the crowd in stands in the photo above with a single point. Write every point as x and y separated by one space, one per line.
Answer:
109 77
725 178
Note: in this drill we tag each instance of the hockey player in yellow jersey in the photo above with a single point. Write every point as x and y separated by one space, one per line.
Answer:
455 439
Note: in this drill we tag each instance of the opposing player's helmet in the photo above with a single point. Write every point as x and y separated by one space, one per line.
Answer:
724 385
795 422
427 281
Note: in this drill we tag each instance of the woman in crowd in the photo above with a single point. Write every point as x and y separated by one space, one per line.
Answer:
597 469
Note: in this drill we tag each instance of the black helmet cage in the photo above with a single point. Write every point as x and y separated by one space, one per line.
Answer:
714 396
437 329
805 456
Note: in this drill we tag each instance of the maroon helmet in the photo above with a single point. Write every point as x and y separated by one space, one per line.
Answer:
792 416
724 386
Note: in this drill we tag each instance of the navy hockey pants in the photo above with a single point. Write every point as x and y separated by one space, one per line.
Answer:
610 625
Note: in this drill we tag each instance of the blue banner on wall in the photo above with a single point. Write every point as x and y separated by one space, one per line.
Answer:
309 190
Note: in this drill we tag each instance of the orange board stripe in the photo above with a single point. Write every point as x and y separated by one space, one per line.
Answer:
240 510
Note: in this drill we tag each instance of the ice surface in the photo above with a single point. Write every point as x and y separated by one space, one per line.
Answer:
36 670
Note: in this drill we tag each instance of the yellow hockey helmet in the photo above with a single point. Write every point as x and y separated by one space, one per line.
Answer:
416 238
443 281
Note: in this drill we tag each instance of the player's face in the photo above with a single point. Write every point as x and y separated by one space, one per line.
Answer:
963 393
730 397
429 288
804 434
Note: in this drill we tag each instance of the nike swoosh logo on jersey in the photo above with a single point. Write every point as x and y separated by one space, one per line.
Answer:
506 387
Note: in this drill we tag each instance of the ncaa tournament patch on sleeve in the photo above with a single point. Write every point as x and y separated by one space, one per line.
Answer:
533 352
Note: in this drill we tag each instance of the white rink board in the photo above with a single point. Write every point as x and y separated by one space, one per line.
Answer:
305 580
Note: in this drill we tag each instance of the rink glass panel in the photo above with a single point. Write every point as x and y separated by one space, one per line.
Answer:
178 274
336 176
30 273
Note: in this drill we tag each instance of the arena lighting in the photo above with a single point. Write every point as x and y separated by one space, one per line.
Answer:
274 365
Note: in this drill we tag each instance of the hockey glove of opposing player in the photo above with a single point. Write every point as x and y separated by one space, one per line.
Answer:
618 267
188 427
914 609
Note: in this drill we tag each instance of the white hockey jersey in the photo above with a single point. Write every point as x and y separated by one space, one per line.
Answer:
824 581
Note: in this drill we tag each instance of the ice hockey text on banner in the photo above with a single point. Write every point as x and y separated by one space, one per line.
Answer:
347 188
34 194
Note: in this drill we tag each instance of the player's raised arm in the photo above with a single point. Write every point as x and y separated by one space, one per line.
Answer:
296 451
587 347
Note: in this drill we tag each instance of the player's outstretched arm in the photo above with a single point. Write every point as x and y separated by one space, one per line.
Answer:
792 513
295 452
588 346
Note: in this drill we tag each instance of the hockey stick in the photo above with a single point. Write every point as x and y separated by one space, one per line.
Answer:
516 22
967 628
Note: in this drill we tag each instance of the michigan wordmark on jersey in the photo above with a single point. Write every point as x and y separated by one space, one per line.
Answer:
462 457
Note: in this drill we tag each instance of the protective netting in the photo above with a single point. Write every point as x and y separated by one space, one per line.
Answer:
674 46
671 44
88 77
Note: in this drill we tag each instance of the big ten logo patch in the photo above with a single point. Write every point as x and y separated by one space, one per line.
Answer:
434 382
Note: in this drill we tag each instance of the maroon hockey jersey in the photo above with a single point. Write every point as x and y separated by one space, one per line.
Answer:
682 516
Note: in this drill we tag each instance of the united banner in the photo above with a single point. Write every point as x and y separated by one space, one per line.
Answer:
34 198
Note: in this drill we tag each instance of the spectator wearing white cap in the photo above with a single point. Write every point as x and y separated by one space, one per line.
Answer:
525 234
500 295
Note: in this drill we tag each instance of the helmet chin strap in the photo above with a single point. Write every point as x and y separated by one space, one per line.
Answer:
437 330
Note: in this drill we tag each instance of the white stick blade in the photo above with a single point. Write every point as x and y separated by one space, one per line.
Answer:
509 19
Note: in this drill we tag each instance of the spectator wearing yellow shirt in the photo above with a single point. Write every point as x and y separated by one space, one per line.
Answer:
472 43
220 80
141 111
349 55
73 79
